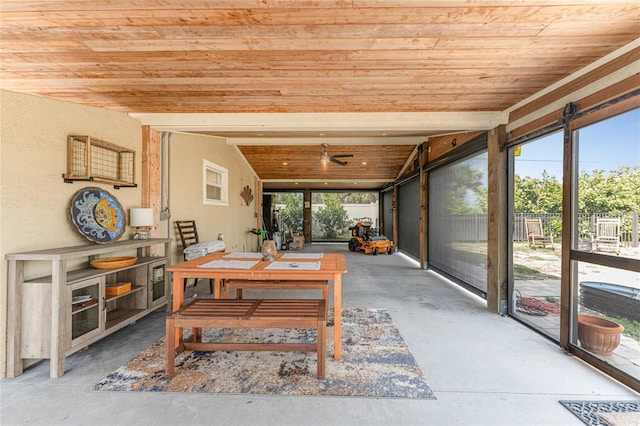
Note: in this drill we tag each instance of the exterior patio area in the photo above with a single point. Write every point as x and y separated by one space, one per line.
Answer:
484 368
544 286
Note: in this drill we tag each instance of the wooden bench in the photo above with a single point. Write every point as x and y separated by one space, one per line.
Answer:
246 313
239 285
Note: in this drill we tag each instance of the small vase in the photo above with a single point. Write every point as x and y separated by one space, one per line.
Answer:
269 251
598 335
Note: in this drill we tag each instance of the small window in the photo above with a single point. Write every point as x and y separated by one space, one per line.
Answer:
215 185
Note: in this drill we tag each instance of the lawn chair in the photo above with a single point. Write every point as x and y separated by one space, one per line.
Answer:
608 235
535 233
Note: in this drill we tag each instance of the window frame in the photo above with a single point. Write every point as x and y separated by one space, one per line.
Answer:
211 167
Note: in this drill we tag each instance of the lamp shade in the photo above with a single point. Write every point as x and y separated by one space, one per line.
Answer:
141 217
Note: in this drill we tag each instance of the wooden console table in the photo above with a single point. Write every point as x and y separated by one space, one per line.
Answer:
42 320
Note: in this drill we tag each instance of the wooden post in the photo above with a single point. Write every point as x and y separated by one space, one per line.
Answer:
306 216
150 181
497 218
394 202
259 210
424 207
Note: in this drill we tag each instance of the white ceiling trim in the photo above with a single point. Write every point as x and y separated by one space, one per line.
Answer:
354 181
382 140
329 122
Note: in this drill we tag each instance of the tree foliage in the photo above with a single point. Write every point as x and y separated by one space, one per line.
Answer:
537 195
615 192
332 219
291 214
363 197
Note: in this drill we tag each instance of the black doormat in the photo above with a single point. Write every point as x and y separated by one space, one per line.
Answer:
589 411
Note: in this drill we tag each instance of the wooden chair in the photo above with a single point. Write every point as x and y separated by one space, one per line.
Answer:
189 237
608 235
535 233
188 232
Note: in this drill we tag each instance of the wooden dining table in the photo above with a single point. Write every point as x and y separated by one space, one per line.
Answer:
216 267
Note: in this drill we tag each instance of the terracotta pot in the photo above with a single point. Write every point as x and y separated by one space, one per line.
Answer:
598 335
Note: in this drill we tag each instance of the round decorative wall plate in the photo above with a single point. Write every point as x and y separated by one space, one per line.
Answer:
97 215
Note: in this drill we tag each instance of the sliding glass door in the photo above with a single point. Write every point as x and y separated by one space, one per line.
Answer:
536 248
605 254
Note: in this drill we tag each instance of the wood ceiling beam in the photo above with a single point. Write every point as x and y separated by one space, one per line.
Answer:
345 143
327 121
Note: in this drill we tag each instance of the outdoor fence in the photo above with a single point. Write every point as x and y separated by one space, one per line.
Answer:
473 227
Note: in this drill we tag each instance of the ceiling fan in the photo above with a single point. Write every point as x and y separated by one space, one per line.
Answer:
325 158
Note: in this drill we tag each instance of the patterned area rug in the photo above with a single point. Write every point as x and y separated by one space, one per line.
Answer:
595 413
376 362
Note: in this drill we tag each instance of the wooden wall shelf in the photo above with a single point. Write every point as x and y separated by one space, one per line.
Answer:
92 159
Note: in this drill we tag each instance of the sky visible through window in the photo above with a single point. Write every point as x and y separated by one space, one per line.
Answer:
606 145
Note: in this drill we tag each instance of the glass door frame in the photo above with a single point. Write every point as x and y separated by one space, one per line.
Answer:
511 213
571 256
572 120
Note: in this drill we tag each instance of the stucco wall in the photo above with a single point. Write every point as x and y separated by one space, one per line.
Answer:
34 200
186 153
34 197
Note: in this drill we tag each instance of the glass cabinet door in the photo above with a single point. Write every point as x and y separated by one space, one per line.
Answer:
86 312
158 289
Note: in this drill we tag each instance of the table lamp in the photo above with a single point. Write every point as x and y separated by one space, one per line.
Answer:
142 220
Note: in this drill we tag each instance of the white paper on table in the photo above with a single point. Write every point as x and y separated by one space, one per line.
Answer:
229 264
302 266
243 255
302 256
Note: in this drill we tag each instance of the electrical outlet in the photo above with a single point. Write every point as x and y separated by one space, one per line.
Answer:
165 215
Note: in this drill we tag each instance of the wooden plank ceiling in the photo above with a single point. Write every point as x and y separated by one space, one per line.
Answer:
313 56
297 166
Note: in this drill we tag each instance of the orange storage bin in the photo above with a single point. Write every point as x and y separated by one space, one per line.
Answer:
117 289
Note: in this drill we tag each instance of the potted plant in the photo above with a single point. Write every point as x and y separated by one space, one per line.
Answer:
598 335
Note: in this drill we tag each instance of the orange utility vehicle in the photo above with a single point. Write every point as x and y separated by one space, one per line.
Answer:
365 238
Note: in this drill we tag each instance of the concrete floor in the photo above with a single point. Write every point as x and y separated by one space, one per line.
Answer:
483 368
